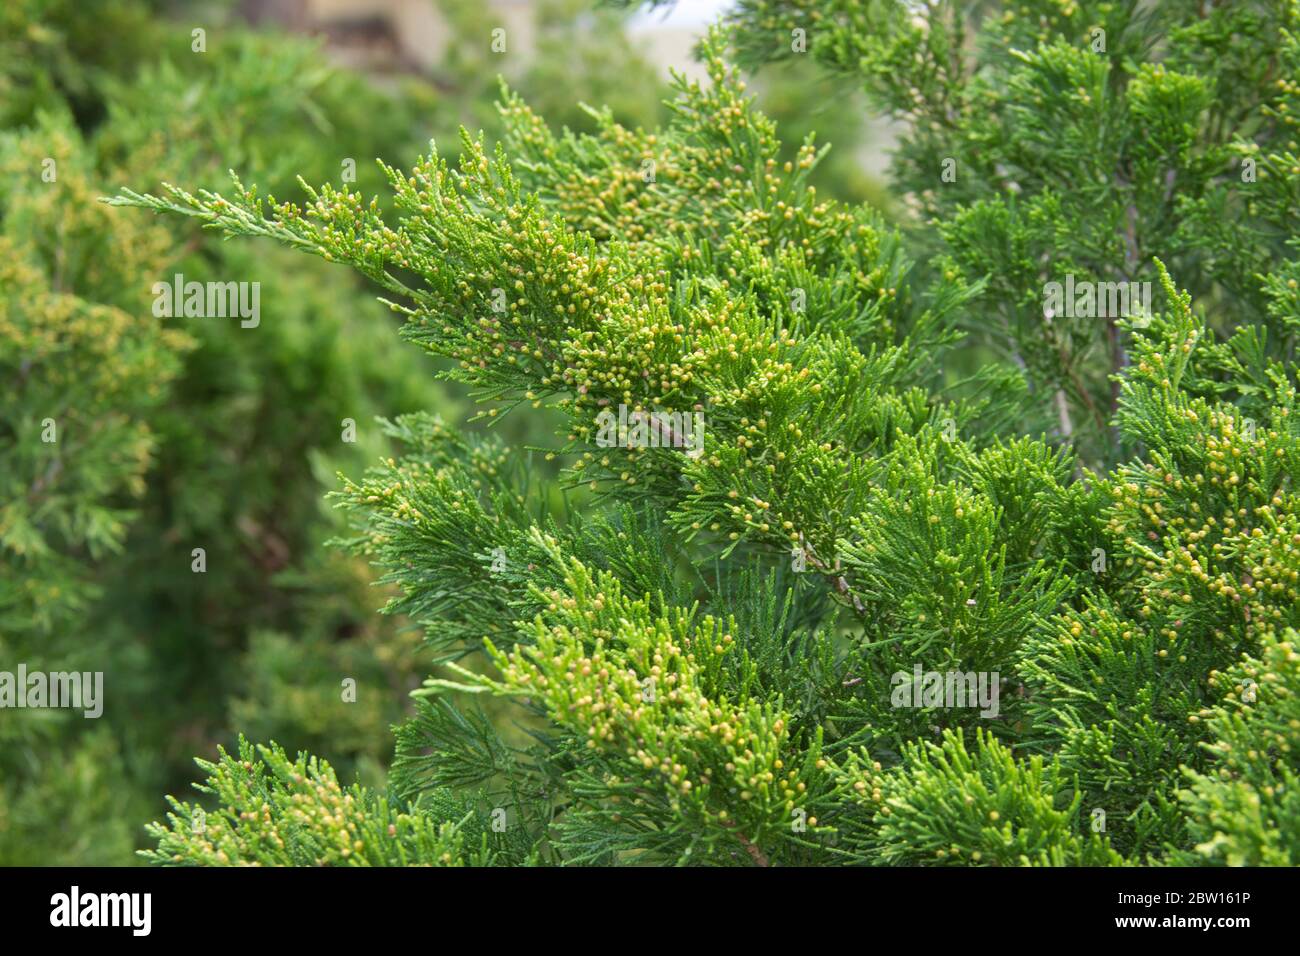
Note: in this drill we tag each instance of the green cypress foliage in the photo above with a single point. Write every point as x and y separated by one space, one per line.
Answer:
865 609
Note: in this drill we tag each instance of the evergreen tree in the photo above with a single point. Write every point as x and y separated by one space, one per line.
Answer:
715 640
1085 139
128 440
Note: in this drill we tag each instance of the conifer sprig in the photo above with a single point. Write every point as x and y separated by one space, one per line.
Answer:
718 663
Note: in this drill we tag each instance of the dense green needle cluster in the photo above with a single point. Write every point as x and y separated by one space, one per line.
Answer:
1085 138
128 440
726 657
295 813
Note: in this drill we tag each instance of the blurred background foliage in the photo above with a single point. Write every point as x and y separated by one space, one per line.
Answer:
176 434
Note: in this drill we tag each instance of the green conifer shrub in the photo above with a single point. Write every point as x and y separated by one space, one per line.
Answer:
205 434
128 439
1086 138
704 640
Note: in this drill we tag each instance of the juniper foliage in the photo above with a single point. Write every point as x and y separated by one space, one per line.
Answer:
1041 140
702 653
127 439
171 434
